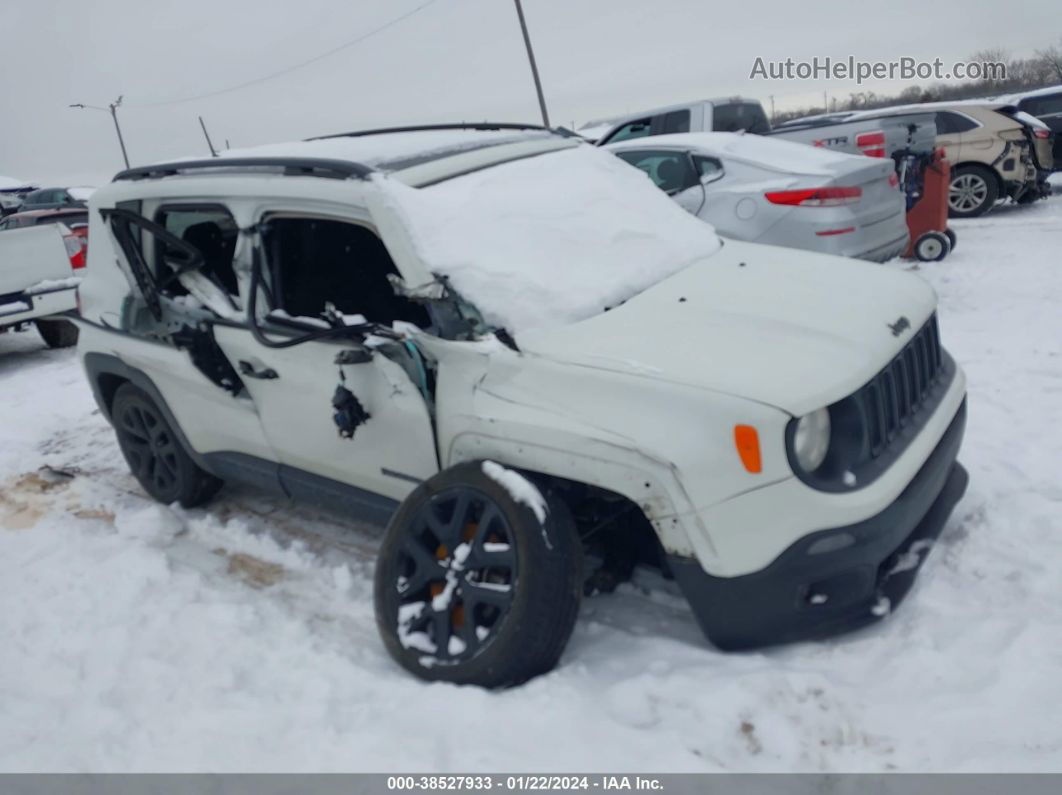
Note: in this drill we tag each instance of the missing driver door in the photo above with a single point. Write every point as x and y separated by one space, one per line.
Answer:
306 263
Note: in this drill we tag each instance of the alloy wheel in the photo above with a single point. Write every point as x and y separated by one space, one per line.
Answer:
967 192
149 447
457 576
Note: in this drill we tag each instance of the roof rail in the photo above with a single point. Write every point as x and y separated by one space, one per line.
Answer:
285 166
481 125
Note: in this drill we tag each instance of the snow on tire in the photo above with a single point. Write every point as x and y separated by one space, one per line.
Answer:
479 578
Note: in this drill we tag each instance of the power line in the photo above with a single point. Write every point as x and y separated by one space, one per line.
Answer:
286 70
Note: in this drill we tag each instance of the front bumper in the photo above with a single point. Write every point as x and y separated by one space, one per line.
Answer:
818 587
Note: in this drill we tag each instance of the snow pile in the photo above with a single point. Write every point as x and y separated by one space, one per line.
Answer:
14 307
520 488
550 240
51 285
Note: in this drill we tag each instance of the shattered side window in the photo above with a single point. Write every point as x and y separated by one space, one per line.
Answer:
316 262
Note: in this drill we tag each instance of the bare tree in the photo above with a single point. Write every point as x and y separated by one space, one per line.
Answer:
1051 57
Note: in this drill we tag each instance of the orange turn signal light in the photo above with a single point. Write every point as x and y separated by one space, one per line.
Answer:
747 442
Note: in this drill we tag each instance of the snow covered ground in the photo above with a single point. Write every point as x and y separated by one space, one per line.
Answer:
140 637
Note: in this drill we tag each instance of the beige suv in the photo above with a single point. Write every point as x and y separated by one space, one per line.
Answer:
991 157
990 153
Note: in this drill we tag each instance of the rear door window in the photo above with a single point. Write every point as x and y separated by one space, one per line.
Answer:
209 229
736 116
954 123
677 121
708 168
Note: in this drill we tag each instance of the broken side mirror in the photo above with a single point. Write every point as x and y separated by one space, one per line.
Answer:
430 291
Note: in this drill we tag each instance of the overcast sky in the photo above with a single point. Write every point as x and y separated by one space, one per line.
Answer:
453 60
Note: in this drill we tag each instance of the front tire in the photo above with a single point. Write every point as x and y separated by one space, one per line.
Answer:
471 586
973 191
155 455
57 333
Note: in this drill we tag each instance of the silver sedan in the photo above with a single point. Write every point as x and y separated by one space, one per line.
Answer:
770 191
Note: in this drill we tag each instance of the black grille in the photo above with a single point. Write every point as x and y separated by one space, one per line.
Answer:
895 395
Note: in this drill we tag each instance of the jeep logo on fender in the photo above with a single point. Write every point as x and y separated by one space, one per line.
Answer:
900 326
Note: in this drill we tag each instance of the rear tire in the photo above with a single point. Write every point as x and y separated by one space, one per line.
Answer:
952 238
57 333
471 587
155 455
973 191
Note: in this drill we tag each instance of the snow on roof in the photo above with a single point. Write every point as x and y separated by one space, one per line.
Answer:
549 240
927 107
1011 99
389 151
772 153
11 183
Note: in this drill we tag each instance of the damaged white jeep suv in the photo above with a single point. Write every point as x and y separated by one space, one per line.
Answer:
511 349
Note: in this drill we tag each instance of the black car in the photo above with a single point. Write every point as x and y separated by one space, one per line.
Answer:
9 203
55 198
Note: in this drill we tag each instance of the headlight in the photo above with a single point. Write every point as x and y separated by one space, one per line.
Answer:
812 439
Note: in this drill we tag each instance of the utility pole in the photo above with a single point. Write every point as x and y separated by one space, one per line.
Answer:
210 145
113 110
771 97
534 68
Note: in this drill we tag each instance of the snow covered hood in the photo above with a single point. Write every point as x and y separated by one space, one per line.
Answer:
793 329
773 153
548 240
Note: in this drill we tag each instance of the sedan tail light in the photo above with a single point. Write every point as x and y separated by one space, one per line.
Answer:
1041 133
76 248
815 197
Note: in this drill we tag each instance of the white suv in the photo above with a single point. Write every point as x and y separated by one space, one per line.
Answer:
508 346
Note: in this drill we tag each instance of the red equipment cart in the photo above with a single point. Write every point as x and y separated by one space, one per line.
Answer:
924 179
